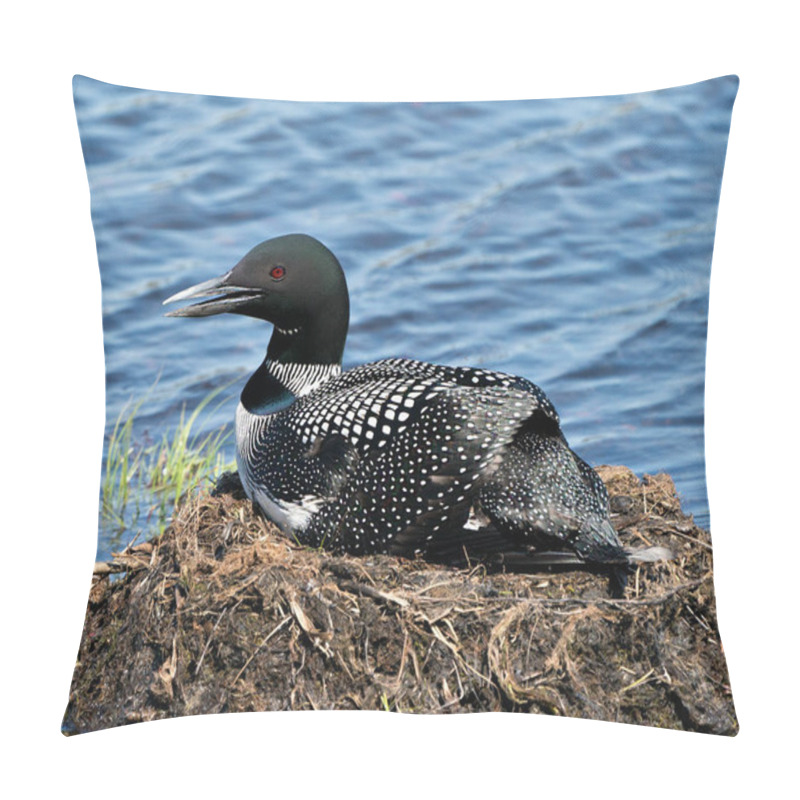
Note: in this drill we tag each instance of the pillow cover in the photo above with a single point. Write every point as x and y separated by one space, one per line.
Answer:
566 241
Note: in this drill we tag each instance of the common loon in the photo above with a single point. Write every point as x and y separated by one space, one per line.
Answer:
398 456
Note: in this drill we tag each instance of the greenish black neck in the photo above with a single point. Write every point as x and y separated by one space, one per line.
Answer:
319 340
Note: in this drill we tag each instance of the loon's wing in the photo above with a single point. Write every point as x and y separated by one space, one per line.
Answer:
548 498
434 434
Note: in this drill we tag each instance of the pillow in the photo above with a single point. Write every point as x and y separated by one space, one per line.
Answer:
565 241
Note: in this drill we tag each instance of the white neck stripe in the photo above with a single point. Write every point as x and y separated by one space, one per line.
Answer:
300 379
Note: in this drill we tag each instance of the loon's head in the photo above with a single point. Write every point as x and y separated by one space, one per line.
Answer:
292 281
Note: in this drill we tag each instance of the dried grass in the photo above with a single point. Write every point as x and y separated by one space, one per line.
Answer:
223 614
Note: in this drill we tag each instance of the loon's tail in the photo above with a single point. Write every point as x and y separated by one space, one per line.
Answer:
617 570
629 557
648 555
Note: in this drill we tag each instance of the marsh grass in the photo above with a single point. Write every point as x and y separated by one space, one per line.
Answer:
143 482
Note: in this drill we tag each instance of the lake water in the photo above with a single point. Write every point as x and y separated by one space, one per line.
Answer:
566 241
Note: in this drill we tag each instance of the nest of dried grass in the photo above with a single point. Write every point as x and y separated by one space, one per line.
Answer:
222 613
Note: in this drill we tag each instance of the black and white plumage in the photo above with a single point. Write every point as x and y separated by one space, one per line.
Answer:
398 456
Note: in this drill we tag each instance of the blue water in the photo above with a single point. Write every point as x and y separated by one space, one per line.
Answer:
566 241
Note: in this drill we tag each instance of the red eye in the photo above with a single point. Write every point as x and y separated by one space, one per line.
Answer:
277 273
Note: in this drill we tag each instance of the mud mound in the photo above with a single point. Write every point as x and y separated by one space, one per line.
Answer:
222 614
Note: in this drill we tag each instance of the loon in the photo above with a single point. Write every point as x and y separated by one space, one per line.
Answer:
452 464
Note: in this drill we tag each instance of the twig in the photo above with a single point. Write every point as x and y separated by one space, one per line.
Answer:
129 560
208 641
638 682
694 539
283 622
600 601
108 568
375 594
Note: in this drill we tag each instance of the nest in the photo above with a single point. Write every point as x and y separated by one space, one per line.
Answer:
222 613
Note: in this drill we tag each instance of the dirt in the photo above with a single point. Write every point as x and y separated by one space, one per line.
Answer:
222 614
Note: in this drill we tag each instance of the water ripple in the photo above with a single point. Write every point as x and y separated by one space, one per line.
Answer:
568 241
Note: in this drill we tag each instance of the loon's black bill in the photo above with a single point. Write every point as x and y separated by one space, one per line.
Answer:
224 298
